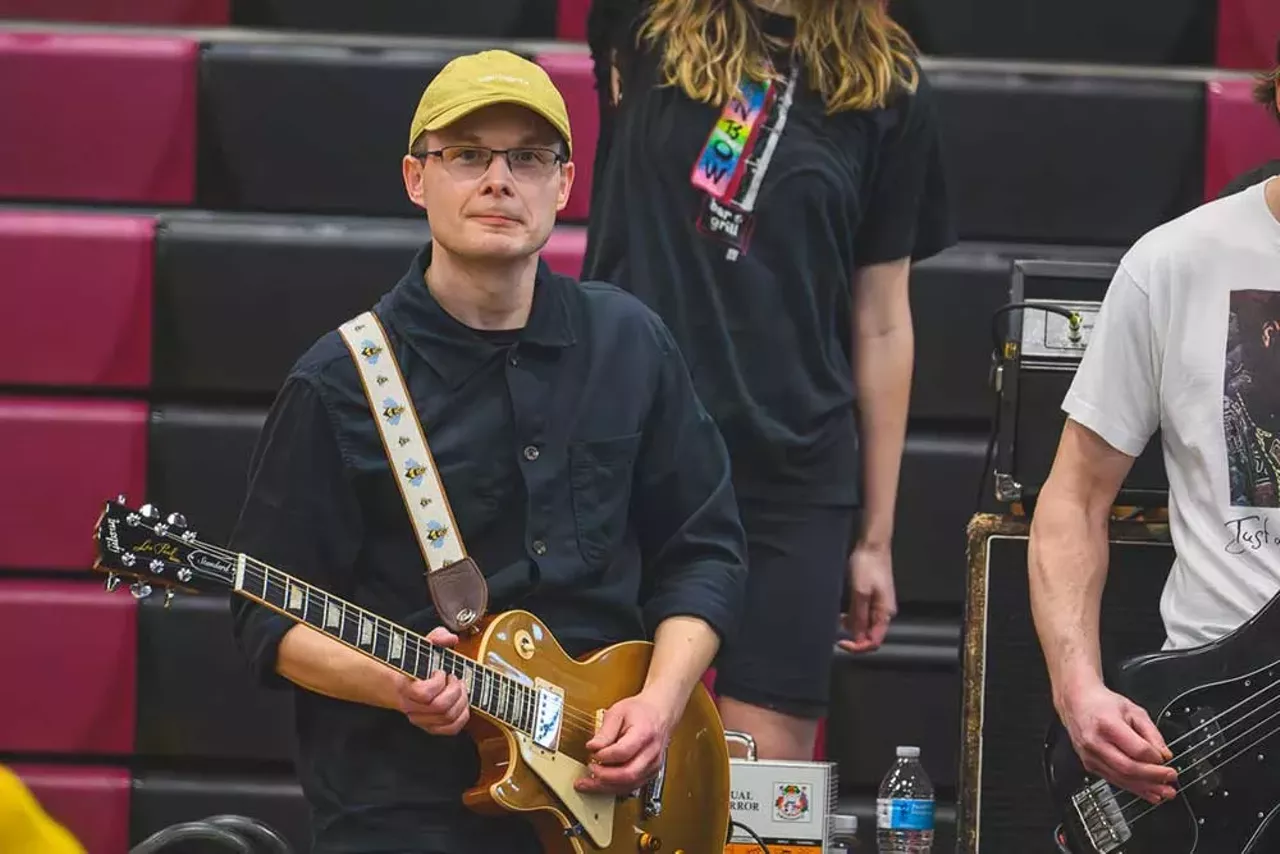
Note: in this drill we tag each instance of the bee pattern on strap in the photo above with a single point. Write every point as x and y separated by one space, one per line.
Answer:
415 471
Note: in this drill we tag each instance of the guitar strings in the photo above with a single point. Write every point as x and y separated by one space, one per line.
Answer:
1223 730
575 719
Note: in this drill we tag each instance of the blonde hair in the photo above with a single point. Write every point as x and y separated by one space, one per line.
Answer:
854 53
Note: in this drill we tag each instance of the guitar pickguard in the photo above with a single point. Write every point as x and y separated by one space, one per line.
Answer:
559 772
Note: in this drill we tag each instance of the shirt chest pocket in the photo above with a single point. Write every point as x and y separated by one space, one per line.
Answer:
600 474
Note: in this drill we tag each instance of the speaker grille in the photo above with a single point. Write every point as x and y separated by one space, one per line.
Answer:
1007 702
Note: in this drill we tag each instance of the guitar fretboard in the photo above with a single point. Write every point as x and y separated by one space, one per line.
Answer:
494 693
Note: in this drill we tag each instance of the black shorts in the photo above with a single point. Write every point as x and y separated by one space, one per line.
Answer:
779 657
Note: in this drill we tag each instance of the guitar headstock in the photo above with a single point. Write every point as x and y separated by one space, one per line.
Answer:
158 551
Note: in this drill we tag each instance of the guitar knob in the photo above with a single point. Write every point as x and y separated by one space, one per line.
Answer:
113 581
140 589
649 842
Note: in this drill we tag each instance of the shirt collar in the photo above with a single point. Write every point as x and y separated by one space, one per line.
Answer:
454 350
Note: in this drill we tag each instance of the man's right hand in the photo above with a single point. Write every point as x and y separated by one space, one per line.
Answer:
1116 740
437 704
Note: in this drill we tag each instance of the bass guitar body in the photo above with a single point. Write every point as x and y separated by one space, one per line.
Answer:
1218 708
684 809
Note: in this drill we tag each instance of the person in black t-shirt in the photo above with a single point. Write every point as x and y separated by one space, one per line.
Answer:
767 172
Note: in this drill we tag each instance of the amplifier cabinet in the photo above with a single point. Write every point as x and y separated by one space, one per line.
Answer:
1037 363
1003 807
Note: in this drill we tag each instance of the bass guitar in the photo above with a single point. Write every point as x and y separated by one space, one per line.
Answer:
1218 708
533 707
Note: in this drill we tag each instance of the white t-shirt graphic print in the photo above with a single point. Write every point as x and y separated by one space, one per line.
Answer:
1188 341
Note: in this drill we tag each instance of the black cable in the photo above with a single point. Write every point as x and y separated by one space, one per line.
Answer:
764 848
997 340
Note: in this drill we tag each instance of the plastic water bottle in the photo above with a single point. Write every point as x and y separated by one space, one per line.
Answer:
844 833
904 807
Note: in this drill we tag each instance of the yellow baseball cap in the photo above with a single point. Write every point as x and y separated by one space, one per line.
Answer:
478 80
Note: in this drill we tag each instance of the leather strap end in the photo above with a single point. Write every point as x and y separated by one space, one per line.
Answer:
460 595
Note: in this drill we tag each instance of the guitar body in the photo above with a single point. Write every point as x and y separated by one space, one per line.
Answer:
515 776
1218 708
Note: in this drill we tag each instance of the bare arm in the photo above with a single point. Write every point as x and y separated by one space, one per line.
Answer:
683 648
884 350
1067 556
1067 564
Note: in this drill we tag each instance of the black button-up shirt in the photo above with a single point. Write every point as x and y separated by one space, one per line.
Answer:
585 478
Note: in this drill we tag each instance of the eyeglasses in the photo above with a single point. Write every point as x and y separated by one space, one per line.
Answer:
472 161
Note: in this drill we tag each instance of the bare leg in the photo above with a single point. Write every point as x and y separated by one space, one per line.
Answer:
777 735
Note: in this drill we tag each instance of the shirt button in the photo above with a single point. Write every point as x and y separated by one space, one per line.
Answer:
539 547
513 359
531 452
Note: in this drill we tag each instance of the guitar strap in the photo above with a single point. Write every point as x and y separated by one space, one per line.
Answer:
458 589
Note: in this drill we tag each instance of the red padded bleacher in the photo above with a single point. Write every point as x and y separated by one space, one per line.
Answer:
92 803
68 653
62 459
565 249
103 118
572 74
571 20
155 12
77 287
1247 34
1239 133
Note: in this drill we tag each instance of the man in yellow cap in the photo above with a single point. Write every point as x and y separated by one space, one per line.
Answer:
585 478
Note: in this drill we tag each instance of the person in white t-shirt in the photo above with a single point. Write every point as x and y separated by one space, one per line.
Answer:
1187 341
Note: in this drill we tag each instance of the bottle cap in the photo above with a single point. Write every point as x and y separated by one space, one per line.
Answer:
843 824
908 752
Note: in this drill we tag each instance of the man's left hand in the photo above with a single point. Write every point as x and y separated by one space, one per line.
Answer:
627 749
874 601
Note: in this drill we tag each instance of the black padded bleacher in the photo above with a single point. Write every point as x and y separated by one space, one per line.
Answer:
1053 155
183 651
1137 32
306 274
494 19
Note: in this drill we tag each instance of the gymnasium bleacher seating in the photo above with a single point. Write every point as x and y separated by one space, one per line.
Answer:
173 175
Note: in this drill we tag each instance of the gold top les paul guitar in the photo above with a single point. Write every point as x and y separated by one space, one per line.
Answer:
533 707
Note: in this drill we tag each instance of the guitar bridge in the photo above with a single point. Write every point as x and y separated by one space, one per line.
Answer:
1100 817
653 790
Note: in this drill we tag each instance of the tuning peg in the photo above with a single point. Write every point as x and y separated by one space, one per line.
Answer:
149 511
128 558
121 499
177 520
113 581
168 597
156 566
184 575
140 589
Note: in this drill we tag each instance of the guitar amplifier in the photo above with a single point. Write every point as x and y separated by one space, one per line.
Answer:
1036 362
1007 703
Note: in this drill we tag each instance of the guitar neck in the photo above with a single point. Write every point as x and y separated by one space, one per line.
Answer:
496 694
